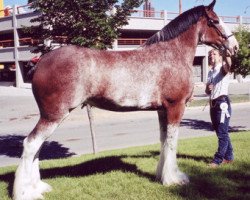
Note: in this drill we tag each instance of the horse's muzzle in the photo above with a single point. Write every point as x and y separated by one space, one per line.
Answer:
229 51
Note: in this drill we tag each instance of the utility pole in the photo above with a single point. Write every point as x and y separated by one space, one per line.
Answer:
180 6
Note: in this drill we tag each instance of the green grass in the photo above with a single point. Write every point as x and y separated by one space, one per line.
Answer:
130 174
240 98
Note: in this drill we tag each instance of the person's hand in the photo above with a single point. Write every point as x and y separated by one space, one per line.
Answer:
210 87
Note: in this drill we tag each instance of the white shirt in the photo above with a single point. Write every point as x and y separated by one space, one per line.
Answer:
219 80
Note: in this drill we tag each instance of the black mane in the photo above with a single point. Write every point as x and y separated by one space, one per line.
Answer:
177 26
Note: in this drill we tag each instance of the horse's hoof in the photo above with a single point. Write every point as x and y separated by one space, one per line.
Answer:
33 192
28 195
43 187
178 178
182 178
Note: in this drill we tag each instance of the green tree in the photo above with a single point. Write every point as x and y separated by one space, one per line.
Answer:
241 62
88 23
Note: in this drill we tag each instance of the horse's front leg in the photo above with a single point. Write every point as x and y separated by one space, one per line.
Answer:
28 184
167 170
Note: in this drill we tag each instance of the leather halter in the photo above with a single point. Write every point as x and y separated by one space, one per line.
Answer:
213 23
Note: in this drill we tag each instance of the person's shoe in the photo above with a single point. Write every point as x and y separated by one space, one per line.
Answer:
227 161
213 165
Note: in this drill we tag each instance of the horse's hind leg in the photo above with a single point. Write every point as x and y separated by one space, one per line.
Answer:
28 185
167 170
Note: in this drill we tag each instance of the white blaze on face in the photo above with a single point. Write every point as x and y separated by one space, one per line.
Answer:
232 40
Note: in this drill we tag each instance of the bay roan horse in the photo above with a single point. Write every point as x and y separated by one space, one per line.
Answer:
157 77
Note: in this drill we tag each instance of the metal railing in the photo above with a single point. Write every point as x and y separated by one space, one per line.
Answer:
147 14
172 15
131 41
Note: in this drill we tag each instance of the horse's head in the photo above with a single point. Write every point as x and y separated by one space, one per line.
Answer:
216 34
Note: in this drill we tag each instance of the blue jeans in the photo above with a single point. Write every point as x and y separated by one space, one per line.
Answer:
225 149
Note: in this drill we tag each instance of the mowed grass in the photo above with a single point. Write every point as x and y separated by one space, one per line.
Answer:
239 98
130 174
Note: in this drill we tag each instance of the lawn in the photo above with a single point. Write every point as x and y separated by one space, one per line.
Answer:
239 98
130 174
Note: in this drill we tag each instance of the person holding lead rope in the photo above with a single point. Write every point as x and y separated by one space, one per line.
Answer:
220 107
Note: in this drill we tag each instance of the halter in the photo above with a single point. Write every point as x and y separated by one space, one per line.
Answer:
213 23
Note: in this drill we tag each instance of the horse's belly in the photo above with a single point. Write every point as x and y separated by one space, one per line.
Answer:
122 106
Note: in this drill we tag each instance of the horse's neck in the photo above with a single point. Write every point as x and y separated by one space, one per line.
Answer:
184 46
187 43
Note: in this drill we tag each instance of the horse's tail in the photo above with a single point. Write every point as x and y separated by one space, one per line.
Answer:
33 65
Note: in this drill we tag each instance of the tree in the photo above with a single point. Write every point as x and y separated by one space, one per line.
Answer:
241 62
88 23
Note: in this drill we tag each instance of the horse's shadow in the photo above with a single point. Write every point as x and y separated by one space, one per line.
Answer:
196 124
215 184
102 165
12 146
99 165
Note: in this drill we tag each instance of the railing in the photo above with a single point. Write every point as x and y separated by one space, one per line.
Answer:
245 20
131 41
147 14
28 41
231 19
22 42
172 15
24 9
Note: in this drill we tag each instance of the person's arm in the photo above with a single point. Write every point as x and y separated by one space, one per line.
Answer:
209 85
226 66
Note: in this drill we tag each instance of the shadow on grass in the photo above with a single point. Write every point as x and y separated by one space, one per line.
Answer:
216 184
207 126
228 183
197 124
204 159
12 146
223 183
96 166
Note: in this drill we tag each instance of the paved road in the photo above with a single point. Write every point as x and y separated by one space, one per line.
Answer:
19 115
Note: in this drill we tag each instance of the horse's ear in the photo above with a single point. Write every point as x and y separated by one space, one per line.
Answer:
211 5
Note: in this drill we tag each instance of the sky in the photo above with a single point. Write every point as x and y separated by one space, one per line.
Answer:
222 7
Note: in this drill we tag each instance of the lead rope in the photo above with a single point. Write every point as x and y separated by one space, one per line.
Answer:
209 99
